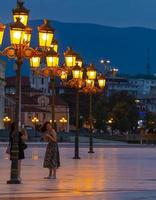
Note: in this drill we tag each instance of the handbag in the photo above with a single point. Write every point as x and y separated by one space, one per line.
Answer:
24 145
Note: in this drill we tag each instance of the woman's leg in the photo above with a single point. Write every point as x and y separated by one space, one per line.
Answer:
50 172
54 173
19 168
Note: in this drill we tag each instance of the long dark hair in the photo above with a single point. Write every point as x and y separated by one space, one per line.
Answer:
44 127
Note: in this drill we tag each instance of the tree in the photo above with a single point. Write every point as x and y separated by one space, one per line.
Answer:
100 111
124 111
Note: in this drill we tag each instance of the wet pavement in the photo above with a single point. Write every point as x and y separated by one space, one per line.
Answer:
112 173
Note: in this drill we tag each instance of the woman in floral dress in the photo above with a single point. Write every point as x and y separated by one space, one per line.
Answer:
51 159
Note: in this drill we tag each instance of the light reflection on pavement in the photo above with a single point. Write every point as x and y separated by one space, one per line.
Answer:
109 174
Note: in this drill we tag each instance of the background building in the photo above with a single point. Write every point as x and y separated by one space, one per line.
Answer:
34 103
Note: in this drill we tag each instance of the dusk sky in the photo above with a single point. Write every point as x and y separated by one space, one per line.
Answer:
119 13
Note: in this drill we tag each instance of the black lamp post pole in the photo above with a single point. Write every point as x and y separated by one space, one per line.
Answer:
76 154
14 179
91 125
53 101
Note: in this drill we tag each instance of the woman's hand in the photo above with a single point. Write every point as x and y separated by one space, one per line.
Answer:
52 136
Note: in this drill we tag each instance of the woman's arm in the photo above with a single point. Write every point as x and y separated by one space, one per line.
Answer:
52 136
24 135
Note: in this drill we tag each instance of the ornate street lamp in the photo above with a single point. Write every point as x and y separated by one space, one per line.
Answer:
77 83
52 68
63 121
20 36
20 12
6 120
35 121
52 61
91 89
70 58
77 77
2 29
46 34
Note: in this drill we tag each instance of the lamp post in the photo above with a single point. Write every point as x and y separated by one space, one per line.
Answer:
52 70
35 121
113 71
106 64
91 89
20 36
110 123
76 82
74 64
91 74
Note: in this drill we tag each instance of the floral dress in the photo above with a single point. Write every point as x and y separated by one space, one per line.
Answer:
51 159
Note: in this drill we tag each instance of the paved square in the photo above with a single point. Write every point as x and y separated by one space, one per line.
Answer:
112 173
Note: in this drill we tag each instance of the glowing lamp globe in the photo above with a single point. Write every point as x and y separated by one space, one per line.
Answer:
2 29
79 60
101 81
89 83
17 30
21 12
91 72
54 45
27 35
70 57
35 61
63 75
52 58
77 72
46 34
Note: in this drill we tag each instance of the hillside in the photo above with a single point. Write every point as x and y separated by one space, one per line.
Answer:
125 47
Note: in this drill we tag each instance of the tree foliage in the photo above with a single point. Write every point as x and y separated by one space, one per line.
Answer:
121 108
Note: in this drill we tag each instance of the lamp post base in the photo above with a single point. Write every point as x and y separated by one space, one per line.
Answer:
14 181
76 157
91 151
